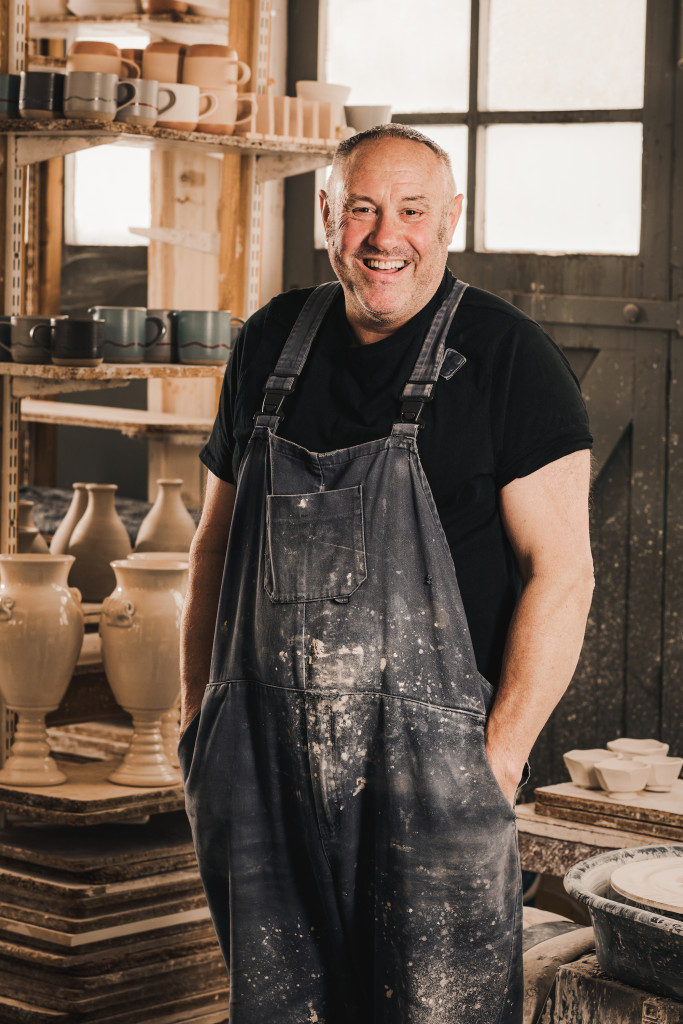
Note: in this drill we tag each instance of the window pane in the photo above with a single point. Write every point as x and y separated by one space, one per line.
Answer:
415 58
108 189
452 138
562 188
563 55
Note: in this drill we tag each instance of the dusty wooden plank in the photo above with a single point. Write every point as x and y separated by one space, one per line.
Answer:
583 993
646 806
111 371
128 421
553 856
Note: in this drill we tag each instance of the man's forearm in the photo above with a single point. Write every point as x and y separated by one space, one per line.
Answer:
542 650
197 630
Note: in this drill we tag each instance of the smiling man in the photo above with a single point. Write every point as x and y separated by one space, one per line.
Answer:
393 573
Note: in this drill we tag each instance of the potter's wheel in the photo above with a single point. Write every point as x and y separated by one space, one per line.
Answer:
656 883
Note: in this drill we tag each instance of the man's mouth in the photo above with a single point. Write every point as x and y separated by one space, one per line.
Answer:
387 265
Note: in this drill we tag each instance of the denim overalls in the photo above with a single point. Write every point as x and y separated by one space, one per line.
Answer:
358 855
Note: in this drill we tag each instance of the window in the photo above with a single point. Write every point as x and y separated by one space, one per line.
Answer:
542 102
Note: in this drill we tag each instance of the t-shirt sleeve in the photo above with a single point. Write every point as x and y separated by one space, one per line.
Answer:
538 414
217 453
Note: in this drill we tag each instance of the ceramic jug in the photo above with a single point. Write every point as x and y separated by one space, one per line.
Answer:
29 538
140 630
41 632
98 539
168 526
60 542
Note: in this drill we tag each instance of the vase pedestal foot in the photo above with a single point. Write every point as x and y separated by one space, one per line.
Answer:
29 762
146 763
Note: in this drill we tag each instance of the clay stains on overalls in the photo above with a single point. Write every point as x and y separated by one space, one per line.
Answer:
358 855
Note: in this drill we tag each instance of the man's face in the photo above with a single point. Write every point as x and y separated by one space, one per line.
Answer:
388 225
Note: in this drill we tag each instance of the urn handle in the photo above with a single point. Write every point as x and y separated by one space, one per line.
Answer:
6 606
76 594
118 612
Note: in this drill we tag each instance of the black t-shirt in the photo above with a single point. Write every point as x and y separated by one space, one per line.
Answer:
514 407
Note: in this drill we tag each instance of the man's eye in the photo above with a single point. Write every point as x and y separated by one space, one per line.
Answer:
412 213
362 209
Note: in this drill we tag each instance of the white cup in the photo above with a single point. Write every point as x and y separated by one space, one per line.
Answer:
180 106
364 116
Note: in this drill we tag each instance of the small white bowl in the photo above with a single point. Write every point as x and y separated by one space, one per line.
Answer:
637 748
663 771
581 765
622 778
323 92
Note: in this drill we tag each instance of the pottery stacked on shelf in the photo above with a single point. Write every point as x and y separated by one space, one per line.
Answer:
140 630
41 632
627 768
98 539
29 538
168 526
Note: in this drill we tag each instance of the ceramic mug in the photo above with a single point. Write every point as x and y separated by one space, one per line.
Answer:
78 341
105 58
41 95
163 61
90 95
204 336
9 96
161 348
213 66
232 108
32 339
182 110
138 101
125 339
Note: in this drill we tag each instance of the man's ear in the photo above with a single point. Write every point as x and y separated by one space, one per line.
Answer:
324 207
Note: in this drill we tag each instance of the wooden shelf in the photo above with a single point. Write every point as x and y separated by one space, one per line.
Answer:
131 422
43 140
174 27
27 380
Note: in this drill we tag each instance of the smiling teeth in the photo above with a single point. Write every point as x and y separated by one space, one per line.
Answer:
386 264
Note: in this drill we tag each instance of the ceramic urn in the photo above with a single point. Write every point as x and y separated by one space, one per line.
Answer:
41 632
140 630
98 538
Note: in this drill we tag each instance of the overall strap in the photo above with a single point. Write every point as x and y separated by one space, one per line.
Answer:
283 379
434 359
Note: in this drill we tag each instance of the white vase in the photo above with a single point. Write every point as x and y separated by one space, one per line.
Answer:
140 630
41 632
168 526
29 538
98 539
60 542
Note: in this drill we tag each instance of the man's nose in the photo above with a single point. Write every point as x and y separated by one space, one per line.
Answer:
385 232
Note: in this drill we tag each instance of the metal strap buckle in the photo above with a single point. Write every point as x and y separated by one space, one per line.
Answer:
272 402
411 410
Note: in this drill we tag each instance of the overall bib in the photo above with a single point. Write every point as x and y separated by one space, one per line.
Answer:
358 855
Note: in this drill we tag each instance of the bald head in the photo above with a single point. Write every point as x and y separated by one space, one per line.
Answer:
378 134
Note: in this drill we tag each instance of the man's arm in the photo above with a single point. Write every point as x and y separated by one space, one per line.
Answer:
207 556
545 516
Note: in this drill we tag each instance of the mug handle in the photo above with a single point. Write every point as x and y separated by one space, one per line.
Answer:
253 104
169 92
39 327
124 84
6 347
244 72
213 103
162 330
237 320
133 65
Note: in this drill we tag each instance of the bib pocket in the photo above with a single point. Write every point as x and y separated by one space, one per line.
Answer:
315 546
